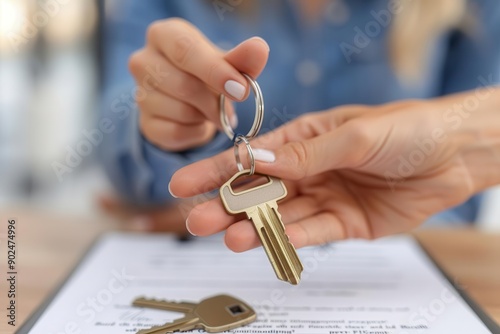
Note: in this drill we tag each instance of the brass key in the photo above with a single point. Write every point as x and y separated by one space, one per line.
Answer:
261 207
215 314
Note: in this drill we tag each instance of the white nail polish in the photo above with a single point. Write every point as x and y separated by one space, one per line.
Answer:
263 155
170 191
235 89
187 227
234 121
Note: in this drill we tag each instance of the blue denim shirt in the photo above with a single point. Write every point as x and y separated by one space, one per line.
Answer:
343 59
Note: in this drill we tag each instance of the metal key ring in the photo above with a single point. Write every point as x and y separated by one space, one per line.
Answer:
238 140
259 111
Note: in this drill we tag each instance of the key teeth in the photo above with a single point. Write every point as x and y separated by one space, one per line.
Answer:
293 273
138 300
267 222
150 299
144 299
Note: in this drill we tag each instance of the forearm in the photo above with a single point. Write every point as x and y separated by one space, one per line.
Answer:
472 120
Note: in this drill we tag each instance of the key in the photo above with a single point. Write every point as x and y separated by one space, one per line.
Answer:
260 205
215 314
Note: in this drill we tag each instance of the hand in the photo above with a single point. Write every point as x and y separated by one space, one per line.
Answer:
351 172
180 74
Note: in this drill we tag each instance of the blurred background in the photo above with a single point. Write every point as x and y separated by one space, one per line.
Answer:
49 93
50 67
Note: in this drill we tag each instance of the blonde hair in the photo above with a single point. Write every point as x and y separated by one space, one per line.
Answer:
414 30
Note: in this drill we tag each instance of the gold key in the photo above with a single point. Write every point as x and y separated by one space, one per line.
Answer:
261 207
215 314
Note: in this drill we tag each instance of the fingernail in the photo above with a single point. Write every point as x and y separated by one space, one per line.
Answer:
170 191
187 227
234 121
263 42
263 155
141 224
235 89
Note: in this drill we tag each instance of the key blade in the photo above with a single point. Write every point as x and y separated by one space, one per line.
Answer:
281 253
236 203
190 321
165 305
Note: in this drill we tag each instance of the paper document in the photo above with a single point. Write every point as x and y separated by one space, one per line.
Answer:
389 286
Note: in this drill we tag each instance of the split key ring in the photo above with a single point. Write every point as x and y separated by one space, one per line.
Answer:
259 112
254 130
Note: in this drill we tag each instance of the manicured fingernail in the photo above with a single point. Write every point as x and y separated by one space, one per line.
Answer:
141 224
187 227
234 121
235 89
263 42
263 155
170 191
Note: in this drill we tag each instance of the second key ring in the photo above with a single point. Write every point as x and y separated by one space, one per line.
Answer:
259 112
238 140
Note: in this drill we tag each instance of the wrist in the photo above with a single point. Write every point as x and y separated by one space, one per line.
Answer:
472 122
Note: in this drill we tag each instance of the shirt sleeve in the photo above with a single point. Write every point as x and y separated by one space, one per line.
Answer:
473 58
139 171
473 61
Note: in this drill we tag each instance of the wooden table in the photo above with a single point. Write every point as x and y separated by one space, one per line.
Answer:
49 246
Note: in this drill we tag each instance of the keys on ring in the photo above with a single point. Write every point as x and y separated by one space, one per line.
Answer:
238 140
260 203
254 130
259 112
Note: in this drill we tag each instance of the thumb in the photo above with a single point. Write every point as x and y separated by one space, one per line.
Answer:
249 57
338 148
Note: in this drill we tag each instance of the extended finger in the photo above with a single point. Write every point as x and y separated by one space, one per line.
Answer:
186 180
